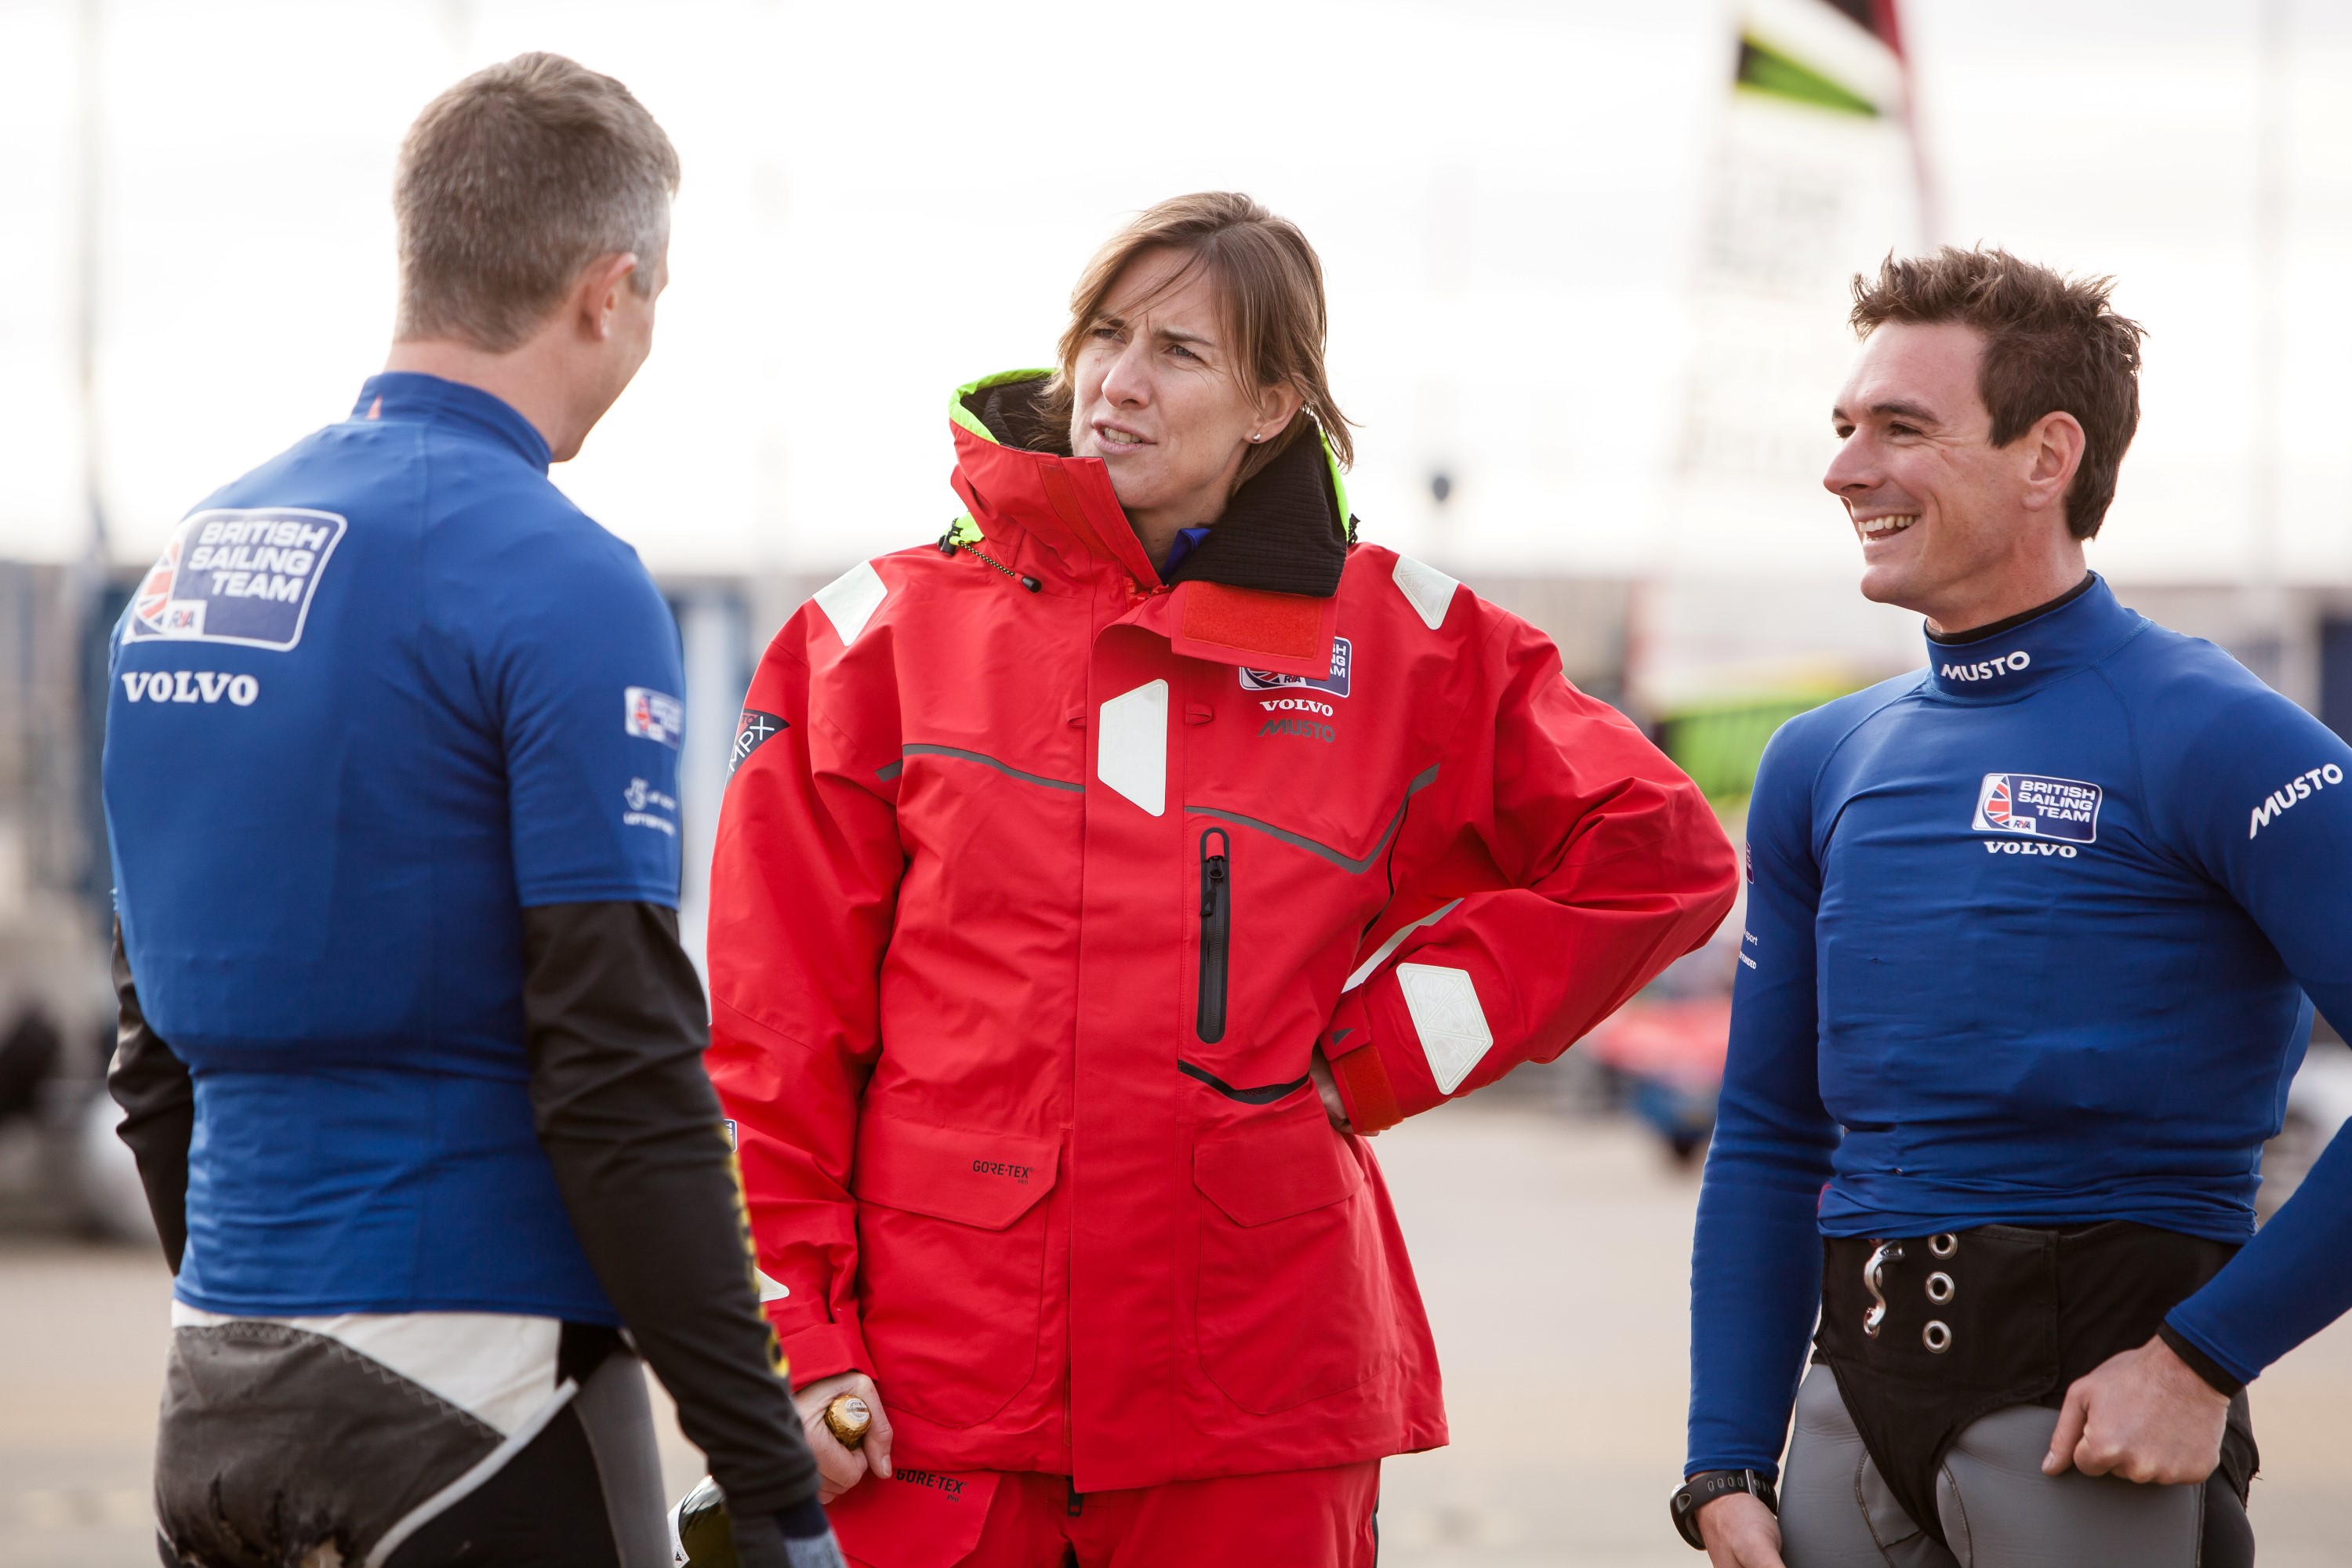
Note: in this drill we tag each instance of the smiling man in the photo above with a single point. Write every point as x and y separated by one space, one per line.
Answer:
2029 937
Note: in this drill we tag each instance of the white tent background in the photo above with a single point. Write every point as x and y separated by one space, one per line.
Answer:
884 201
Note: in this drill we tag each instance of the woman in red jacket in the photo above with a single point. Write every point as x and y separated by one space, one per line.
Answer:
1091 884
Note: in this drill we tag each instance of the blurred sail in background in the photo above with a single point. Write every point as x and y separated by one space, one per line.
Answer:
1817 176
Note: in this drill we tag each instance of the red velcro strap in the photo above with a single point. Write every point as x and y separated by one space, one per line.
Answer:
1288 633
1364 1088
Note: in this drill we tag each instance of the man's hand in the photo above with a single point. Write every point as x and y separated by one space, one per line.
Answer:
2143 1415
1740 1532
1328 1090
839 1469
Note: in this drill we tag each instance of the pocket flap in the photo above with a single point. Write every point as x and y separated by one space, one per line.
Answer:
984 1178
1270 1172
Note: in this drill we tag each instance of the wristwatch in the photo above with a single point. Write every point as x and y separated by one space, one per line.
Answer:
1709 1485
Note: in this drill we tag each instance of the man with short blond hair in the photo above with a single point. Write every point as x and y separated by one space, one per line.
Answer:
2028 941
410 1054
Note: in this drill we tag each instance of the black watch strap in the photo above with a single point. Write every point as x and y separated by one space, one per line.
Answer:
1704 1488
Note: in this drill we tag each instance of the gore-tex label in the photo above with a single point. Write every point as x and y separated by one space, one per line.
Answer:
998 1168
2045 807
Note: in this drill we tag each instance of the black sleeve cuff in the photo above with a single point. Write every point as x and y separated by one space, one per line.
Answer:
615 1024
2203 1365
159 1109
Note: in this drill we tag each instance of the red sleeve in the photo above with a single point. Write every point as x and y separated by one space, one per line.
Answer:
1568 862
803 885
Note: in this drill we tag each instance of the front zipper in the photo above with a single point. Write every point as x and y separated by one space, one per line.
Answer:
1216 933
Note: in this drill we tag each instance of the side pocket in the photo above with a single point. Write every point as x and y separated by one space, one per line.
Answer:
1216 934
1293 1300
951 1255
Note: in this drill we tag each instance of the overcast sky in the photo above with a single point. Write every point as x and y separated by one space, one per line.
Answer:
882 201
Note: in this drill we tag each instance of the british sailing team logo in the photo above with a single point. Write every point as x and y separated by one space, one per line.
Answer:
2045 807
1336 683
243 576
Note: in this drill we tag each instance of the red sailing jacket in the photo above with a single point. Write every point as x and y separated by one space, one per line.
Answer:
1037 883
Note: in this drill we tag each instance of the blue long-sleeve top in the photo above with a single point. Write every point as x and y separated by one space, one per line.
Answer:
2029 938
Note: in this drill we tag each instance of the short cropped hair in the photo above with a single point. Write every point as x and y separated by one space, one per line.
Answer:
509 184
2053 344
1269 286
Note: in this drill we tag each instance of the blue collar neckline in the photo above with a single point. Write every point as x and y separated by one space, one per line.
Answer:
410 394
2011 664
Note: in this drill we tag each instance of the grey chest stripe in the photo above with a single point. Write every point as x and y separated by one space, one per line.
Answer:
1421 781
892 769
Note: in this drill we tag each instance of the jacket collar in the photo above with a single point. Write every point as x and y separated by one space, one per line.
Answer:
406 394
1285 531
2024 658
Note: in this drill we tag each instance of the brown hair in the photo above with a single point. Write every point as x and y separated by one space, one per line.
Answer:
2053 344
1269 283
509 184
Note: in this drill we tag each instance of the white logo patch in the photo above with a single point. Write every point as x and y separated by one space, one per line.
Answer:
2300 787
242 575
2046 807
1343 660
652 715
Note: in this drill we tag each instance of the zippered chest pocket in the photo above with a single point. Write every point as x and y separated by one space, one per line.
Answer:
1216 933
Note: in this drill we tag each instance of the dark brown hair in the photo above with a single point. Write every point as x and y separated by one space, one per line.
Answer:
1269 286
509 184
2053 344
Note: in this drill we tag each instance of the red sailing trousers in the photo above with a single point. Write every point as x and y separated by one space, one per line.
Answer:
1300 1518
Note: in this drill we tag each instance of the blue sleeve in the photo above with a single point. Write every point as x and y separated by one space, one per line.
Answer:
586 681
1756 1260
2263 800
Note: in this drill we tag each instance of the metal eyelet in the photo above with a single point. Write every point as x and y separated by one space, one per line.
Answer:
1940 1288
1936 1336
1944 1244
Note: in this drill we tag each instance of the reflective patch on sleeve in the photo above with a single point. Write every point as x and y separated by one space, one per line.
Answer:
1131 754
850 600
1446 1014
771 1290
1429 591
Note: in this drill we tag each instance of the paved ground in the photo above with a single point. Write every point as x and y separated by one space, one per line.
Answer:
1551 1254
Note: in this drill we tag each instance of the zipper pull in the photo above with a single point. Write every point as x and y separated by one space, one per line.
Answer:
1213 883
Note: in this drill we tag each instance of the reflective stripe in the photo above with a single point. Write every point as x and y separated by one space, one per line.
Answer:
1447 1018
983 759
850 600
1396 939
1132 750
1428 590
1421 781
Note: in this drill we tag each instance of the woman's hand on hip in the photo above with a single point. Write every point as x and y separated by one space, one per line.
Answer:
1327 1089
840 1469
